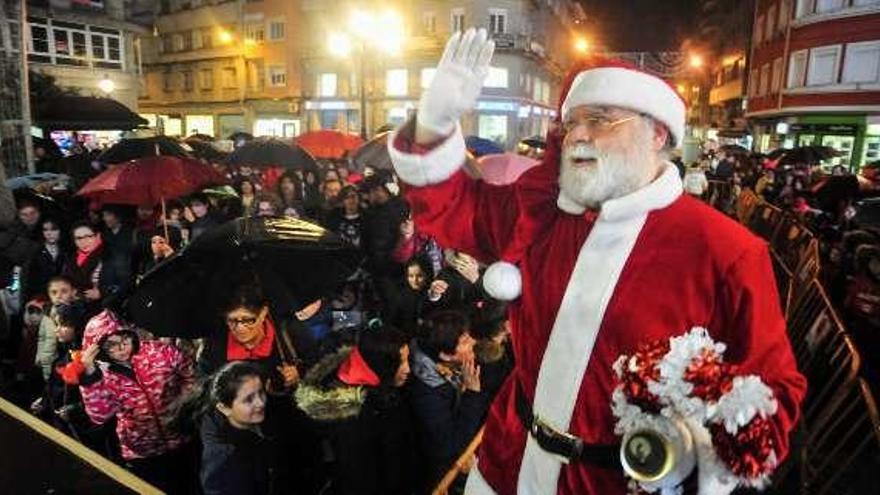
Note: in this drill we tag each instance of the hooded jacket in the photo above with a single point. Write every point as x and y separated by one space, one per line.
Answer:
139 396
234 461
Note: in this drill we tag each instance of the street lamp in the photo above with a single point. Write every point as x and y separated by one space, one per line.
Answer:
383 32
581 45
106 85
696 61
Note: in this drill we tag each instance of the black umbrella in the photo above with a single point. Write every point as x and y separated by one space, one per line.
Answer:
808 155
734 149
134 148
534 142
240 138
271 153
373 153
204 150
295 262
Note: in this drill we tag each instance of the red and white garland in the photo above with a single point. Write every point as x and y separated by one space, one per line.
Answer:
686 378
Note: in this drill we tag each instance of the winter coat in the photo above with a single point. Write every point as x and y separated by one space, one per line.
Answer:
380 234
140 396
350 229
369 429
47 345
446 418
200 225
235 461
407 309
97 273
37 272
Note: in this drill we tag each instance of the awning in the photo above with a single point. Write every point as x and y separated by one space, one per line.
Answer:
80 113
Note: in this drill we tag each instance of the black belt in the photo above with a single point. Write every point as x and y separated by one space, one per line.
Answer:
562 443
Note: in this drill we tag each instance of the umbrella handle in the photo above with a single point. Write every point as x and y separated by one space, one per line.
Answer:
165 222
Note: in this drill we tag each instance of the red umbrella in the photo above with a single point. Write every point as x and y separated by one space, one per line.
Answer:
329 144
151 180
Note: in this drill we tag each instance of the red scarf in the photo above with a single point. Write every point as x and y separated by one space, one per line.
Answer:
235 351
82 256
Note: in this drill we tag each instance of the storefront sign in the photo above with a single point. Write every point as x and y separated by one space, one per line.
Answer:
837 129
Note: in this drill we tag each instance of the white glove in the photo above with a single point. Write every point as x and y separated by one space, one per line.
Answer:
457 82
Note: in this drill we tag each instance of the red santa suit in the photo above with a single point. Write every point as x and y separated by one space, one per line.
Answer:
594 286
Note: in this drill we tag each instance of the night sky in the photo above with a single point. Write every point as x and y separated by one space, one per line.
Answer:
640 25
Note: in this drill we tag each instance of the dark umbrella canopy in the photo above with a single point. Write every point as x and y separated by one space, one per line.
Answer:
534 142
481 146
373 153
806 154
294 261
134 148
733 149
205 150
271 153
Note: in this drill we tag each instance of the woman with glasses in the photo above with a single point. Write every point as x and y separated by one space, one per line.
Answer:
282 349
87 267
137 382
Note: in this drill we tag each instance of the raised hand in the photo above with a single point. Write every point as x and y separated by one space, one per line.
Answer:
457 82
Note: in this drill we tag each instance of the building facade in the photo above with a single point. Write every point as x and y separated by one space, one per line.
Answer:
814 78
271 67
533 40
217 67
84 42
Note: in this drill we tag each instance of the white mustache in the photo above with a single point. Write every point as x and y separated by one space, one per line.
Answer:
582 152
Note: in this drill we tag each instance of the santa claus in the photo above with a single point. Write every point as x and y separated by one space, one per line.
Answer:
636 306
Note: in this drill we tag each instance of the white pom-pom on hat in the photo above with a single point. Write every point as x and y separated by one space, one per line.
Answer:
503 281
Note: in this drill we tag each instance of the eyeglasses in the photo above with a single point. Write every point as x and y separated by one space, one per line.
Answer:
595 124
84 237
234 322
110 345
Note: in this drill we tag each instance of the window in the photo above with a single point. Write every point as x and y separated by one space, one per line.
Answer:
862 62
770 30
797 69
457 20
206 79
776 81
824 63
828 5
497 78
254 31
177 42
167 81
545 92
327 85
187 80
207 38
276 30
765 80
39 39
759 30
429 22
784 14
497 21
804 7
493 127
536 89
197 40
427 76
859 3
277 75
753 82
396 82
229 78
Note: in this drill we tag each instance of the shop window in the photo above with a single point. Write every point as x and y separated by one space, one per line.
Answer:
493 127
824 63
797 69
200 124
497 78
862 62
396 82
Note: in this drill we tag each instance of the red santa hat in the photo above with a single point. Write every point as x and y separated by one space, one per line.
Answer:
595 81
612 83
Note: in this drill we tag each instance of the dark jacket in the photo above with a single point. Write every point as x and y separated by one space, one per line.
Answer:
235 461
446 419
407 309
200 225
350 229
381 230
39 270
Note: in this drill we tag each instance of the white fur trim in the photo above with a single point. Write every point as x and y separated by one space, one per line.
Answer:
630 89
592 283
748 398
503 281
672 388
476 484
432 167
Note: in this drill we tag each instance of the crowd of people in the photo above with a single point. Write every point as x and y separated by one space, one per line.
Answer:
375 389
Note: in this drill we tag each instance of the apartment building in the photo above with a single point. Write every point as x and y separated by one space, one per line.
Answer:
815 77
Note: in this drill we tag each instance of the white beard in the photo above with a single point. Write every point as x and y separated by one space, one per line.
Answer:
611 175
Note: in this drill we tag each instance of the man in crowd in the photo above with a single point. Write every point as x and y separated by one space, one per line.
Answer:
611 256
